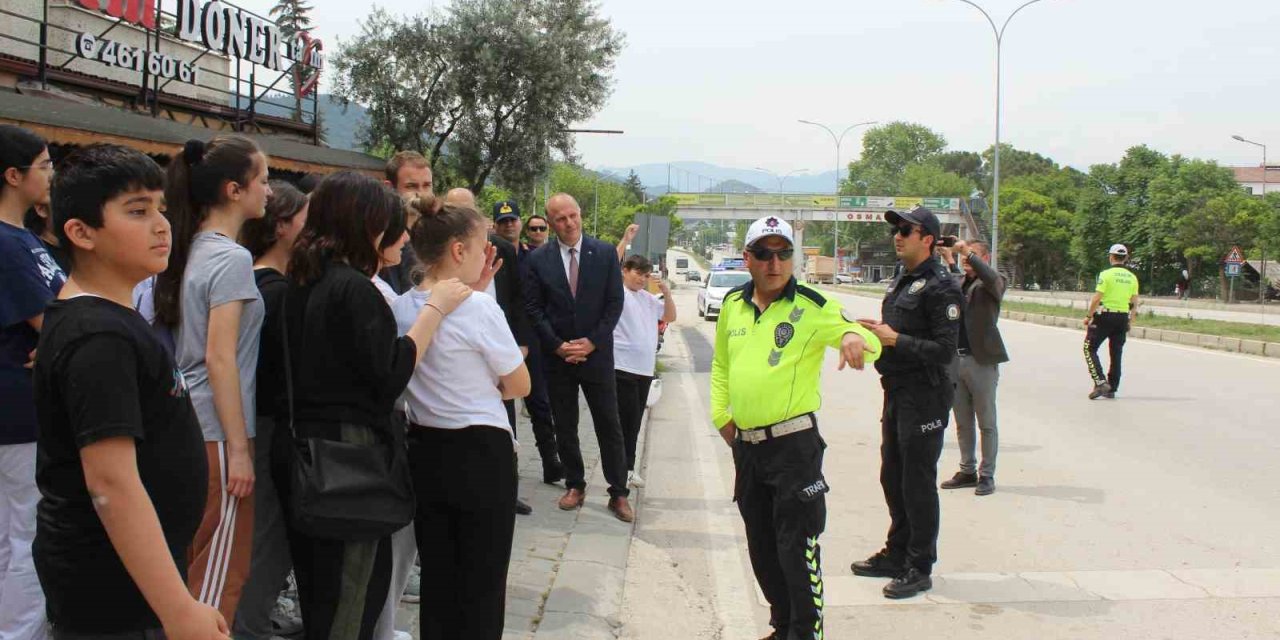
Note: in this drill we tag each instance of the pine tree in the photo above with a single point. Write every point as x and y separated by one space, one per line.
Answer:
294 17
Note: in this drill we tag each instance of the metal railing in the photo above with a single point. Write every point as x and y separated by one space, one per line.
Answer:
249 96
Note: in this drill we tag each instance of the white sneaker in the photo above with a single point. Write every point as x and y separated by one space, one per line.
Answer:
634 480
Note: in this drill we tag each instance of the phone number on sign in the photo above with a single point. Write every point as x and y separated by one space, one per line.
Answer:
126 57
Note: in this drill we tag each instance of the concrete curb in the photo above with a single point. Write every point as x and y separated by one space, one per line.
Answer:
1204 341
585 598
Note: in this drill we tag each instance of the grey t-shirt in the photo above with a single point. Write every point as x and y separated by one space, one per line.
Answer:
218 271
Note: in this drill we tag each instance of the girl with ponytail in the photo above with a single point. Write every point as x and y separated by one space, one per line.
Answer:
461 444
208 297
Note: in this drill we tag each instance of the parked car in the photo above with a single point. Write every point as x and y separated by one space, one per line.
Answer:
719 283
692 276
844 278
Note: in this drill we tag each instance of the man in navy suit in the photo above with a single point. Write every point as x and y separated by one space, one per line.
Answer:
573 292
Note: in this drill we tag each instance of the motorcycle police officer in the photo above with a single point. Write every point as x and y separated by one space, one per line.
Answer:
771 337
918 329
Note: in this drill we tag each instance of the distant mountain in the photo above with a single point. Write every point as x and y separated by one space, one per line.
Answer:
341 124
735 186
702 176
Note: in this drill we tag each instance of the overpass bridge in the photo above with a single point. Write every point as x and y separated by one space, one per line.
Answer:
799 208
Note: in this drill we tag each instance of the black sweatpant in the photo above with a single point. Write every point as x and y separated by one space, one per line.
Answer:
911 428
465 482
342 586
1114 328
780 493
633 395
602 399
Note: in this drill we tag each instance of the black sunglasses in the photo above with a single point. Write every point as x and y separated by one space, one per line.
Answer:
905 230
537 228
764 255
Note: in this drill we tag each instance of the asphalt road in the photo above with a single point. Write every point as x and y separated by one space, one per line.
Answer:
1150 516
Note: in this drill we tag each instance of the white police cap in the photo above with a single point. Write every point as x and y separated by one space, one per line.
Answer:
769 226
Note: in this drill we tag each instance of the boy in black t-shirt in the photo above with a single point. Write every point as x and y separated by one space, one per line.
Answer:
120 461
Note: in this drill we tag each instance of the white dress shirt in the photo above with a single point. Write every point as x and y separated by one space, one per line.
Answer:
564 255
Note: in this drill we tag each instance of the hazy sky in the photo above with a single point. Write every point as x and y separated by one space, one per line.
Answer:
724 82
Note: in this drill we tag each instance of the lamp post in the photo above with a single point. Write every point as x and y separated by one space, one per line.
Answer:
838 139
1262 273
780 178
995 200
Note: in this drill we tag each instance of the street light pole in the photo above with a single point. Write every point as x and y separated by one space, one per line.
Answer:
995 199
780 178
835 247
1262 273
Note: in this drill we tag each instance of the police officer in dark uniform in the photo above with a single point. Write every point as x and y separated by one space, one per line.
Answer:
918 330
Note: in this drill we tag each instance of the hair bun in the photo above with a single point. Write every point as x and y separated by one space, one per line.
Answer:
428 205
193 151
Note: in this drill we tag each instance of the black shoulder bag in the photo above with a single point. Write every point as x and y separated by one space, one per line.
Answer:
343 490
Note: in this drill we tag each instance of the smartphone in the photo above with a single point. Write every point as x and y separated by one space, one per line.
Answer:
947 241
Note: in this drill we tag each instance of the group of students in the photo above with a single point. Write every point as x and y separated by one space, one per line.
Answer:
146 403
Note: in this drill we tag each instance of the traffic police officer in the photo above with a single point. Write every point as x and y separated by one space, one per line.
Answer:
918 328
770 340
1111 311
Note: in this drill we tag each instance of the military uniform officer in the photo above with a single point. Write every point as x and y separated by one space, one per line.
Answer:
1111 313
770 340
918 327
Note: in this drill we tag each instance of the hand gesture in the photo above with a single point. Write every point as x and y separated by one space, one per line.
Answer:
729 432
888 337
492 263
961 249
852 351
196 621
630 233
662 284
446 295
240 470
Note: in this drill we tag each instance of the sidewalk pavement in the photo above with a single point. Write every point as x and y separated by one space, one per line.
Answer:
567 568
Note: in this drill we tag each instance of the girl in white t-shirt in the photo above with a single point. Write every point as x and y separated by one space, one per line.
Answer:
461 447
635 350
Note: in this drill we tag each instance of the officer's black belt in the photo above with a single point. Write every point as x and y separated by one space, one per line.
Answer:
963 351
784 428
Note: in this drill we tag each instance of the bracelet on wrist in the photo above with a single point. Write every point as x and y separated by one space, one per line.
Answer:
437 309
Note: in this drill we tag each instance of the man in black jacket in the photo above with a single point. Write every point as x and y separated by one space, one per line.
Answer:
976 369
573 292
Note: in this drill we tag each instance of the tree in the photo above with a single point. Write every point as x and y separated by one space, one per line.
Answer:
966 164
524 72
1207 233
294 17
929 179
1036 234
635 187
398 67
887 150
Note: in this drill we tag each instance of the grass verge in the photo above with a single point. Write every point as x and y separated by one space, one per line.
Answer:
1242 330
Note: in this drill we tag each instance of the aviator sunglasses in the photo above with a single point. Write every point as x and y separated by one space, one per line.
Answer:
764 255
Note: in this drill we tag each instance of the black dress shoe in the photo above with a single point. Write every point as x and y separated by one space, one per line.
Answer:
986 486
881 565
523 507
908 584
960 480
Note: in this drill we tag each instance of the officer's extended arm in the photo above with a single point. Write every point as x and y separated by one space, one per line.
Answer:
942 348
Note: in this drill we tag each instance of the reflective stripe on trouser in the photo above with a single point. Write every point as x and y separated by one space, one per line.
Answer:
780 493
1114 328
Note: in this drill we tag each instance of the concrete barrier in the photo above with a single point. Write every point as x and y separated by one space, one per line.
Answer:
1208 342
1231 344
1204 341
1253 347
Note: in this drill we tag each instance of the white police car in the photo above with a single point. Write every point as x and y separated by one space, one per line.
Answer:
719 283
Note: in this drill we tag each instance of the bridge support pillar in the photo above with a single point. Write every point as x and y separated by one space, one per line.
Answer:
799 259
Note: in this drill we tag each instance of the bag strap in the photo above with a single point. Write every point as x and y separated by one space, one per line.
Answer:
288 360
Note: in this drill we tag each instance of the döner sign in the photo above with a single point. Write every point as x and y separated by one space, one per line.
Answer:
227 29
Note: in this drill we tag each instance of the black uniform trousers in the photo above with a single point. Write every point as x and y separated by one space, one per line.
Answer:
780 493
915 417
1113 327
563 382
465 481
539 404
633 395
